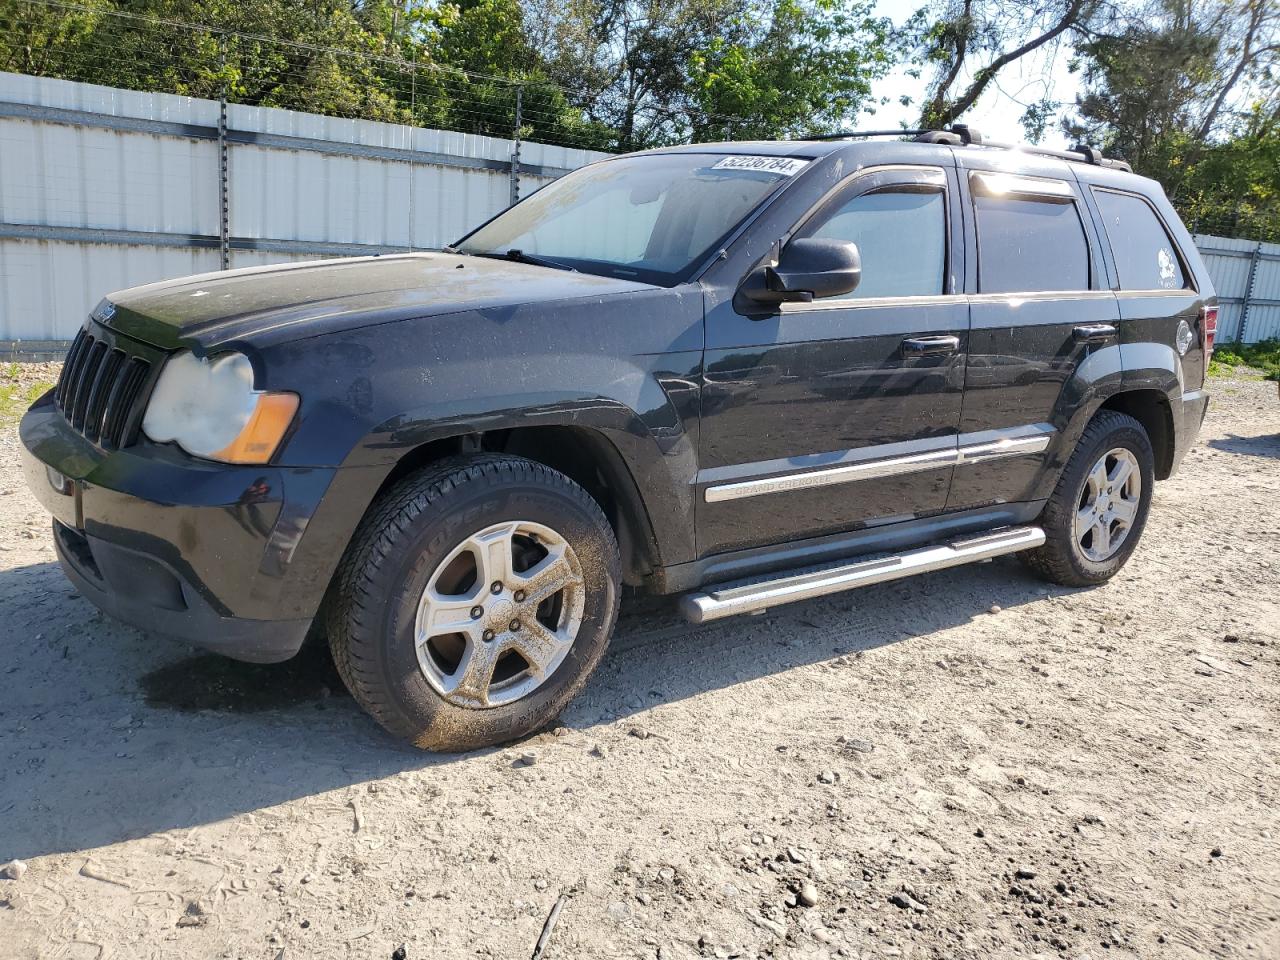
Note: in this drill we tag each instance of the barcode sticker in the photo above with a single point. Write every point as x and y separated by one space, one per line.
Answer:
783 166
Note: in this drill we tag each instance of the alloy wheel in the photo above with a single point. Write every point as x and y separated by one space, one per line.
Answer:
499 614
1108 504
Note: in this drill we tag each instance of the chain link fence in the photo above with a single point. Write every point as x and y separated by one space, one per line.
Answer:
93 43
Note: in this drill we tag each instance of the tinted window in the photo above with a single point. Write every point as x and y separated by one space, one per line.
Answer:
902 239
1144 254
1026 245
650 218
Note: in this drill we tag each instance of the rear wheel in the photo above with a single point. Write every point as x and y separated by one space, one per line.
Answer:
474 601
1097 512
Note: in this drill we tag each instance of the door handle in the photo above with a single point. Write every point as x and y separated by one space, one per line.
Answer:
1093 332
924 346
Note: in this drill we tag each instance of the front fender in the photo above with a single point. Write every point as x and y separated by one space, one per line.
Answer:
371 396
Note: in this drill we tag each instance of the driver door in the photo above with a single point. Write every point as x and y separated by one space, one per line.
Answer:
841 413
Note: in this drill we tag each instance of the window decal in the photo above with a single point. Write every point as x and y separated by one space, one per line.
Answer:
1168 269
785 166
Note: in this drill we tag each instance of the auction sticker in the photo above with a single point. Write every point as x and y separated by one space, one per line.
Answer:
786 166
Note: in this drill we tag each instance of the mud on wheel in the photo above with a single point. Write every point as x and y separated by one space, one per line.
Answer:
474 601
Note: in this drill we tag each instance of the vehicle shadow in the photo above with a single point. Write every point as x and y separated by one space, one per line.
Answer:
110 735
1262 446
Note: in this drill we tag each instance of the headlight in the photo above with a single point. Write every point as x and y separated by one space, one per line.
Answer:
210 409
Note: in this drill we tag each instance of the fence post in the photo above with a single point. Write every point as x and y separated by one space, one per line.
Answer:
515 153
224 182
1248 290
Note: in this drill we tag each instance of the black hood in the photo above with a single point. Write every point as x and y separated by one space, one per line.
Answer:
293 301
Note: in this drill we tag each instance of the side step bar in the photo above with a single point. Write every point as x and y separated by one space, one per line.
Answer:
754 597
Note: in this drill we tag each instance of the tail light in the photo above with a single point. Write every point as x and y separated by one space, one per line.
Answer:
1208 329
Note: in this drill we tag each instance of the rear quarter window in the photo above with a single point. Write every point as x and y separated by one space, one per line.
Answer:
1145 255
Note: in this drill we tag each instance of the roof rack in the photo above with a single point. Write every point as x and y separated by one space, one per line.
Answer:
963 135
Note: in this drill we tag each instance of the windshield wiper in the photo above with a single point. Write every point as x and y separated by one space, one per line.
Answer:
519 256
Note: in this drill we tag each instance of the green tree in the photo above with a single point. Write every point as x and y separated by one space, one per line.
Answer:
1185 91
662 71
807 69
966 44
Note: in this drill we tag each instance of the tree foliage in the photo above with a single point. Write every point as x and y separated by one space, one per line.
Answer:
610 74
967 43
1185 91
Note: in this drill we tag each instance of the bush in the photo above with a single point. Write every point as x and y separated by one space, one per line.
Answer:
1263 355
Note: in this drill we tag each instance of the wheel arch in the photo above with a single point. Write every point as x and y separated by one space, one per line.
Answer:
1152 409
583 454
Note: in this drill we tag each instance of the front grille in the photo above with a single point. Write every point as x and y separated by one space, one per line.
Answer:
100 391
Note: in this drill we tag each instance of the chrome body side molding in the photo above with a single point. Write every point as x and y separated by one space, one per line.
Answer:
730 599
974 451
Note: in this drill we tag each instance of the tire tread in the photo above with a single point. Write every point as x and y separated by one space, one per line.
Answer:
1053 560
352 615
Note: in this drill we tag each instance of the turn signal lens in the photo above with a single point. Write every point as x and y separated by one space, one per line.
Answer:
258 441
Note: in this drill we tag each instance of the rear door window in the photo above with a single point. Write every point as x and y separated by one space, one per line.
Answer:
1030 236
1145 256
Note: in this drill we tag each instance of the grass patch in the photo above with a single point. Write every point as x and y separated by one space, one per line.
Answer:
1262 358
16 394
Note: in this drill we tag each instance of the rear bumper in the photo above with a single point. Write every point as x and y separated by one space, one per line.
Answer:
1188 418
225 557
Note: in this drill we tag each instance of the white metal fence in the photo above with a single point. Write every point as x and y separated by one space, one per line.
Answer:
1246 274
102 189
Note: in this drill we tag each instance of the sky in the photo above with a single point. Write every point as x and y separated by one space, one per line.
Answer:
997 114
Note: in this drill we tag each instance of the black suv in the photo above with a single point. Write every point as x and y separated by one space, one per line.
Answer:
748 373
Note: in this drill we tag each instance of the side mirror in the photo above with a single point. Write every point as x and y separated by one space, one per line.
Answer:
808 269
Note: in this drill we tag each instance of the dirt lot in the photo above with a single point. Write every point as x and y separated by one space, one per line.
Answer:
964 765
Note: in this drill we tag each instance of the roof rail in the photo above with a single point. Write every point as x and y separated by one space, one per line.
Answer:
961 135
850 134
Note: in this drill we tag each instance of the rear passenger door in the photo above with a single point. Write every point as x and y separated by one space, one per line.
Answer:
1040 307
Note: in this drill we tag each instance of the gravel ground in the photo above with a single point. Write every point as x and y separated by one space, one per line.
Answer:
964 765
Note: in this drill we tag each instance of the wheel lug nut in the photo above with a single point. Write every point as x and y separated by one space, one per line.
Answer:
515 625
496 587
519 596
477 613
487 636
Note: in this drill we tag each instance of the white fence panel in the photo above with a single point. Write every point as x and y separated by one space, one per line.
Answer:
1246 274
102 189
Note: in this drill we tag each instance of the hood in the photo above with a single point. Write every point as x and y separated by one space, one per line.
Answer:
293 301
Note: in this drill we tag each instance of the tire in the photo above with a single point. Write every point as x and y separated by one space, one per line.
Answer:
1066 559
444 527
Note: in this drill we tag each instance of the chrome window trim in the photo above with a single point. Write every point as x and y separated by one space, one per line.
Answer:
1041 295
978 452
940 299
923 300
1144 294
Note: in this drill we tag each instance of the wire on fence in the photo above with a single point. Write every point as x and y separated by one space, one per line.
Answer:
92 44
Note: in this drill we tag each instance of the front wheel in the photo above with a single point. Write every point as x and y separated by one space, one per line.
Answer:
1096 514
475 600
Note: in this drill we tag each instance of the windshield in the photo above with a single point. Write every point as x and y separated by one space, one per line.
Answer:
650 218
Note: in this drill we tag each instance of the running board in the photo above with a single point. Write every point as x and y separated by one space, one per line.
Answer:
754 597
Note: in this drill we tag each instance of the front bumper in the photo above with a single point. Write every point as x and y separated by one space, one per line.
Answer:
211 554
